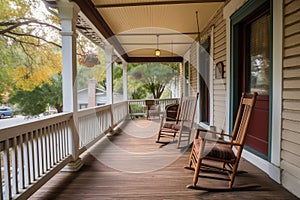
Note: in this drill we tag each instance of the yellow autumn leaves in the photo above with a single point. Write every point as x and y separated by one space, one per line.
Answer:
39 73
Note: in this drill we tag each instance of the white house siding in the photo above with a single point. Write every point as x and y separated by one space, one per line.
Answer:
290 143
219 55
181 80
219 84
193 68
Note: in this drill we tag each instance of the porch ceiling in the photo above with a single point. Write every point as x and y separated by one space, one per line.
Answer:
133 27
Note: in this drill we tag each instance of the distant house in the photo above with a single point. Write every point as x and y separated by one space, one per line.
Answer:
93 96
83 98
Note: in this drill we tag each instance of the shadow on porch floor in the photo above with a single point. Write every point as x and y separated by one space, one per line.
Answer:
130 165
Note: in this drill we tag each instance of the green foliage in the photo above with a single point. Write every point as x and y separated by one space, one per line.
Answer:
153 77
37 100
139 93
53 92
30 102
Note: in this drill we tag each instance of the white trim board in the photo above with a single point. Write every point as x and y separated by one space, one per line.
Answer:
267 167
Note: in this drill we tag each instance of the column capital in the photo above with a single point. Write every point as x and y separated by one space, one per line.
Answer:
67 9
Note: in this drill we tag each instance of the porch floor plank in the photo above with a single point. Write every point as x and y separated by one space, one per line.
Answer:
109 166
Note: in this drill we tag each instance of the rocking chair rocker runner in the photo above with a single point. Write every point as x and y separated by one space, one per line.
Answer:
217 156
184 121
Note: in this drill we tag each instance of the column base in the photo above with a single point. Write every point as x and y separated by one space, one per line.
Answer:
73 166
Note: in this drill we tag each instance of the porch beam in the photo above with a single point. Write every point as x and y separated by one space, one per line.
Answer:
155 44
155 34
155 3
154 59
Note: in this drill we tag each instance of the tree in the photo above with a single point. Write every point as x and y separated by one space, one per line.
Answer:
53 92
36 101
29 46
154 77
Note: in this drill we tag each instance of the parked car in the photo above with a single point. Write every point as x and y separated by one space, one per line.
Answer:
6 112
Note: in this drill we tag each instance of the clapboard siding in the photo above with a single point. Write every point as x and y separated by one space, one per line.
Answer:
293 51
290 135
294 159
292 29
219 84
293 93
193 68
291 18
291 73
181 78
290 139
292 83
291 105
219 55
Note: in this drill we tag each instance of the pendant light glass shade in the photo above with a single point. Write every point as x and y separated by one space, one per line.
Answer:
157 51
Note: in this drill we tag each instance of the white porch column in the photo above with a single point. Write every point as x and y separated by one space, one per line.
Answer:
109 73
125 79
68 13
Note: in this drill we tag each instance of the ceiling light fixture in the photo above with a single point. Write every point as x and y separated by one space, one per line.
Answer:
157 51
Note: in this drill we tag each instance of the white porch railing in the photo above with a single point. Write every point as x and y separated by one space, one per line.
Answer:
94 122
137 106
32 153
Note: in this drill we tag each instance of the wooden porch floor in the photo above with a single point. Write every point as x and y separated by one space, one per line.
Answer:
130 165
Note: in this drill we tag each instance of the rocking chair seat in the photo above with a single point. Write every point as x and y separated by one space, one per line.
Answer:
168 125
214 150
175 127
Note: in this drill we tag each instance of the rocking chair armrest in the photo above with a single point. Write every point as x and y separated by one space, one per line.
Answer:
225 142
198 130
220 141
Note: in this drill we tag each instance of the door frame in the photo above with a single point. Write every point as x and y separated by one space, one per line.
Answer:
271 166
202 51
236 73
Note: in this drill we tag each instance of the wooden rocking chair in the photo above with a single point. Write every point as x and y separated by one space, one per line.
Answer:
217 156
184 121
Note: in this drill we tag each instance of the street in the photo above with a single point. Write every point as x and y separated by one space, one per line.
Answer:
16 120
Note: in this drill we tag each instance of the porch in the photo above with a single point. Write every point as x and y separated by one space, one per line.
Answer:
142 173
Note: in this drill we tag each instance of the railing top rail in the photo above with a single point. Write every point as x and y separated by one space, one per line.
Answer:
137 100
15 130
93 110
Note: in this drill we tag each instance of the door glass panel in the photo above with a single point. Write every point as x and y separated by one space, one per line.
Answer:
260 55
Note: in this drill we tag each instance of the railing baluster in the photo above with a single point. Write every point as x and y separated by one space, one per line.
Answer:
7 174
32 160
58 142
53 152
47 142
48 147
36 153
42 152
14 165
21 162
63 139
1 175
27 160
